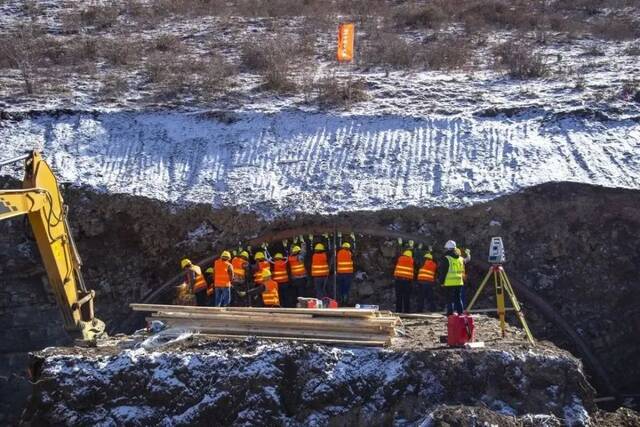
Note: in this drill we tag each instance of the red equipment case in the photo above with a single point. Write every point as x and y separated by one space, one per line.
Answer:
329 303
460 330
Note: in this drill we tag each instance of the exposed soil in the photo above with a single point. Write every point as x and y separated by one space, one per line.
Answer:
575 245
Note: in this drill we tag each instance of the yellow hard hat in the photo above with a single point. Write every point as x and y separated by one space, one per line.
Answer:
346 245
259 255
295 249
266 273
185 262
209 270
225 255
278 256
407 253
319 247
244 254
428 255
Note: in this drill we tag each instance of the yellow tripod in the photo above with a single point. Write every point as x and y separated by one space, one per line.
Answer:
501 283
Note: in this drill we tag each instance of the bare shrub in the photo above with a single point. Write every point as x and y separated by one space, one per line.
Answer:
173 76
167 42
335 92
481 14
617 29
21 49
120 50
278 78
113 86
100 16
420 16
447 53
633 50
390 50
593 50
520 60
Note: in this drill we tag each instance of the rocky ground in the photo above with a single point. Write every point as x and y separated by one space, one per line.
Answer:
198 381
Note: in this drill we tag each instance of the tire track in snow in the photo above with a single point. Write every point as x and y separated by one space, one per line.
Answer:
327 162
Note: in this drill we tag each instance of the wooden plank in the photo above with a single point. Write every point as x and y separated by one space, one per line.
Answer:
322 324
253 331
419 316
311 340
280 329
329 312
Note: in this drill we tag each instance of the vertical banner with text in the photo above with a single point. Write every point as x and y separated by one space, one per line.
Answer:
346 36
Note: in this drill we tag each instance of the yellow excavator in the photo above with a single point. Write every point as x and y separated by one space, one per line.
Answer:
40 199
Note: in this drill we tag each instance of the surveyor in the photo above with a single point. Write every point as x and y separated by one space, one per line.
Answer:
195 281
269 289
425 283
222 278
298 271
344 272
403 274
320 270
450 275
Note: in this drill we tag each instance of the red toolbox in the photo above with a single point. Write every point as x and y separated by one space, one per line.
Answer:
329 303
460 330
309 303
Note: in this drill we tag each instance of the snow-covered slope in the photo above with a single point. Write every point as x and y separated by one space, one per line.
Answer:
325 162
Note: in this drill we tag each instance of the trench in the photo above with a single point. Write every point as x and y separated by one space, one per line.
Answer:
593 364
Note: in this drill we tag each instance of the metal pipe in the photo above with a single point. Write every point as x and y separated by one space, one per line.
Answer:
15 159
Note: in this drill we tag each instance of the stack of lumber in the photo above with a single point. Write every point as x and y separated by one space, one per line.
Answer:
348 326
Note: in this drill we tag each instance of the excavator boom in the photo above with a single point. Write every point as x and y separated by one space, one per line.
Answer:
40 199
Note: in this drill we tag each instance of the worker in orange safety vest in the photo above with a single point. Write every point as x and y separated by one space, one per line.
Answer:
404 275
269 289
195 281
344 272
298 272
320 270
287 291
425 283
222 278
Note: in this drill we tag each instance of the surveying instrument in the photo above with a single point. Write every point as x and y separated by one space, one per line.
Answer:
502 284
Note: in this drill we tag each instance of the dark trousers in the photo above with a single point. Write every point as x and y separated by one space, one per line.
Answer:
321 285
201 298
454 298
301 284
425 292
343 282
403 295
288 295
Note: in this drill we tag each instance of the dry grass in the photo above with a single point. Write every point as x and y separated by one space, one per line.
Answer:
335 92
520 60
447 53
391 50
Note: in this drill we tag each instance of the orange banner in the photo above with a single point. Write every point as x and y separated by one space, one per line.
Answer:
346 36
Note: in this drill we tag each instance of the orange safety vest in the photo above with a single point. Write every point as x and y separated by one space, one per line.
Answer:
404 268
427 272
221 278
319 265
280 274
345 261
239 265
257 274
297 267
199 283
270 296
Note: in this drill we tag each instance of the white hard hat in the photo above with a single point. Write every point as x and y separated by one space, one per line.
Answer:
450 245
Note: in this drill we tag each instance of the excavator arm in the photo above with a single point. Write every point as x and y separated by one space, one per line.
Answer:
40 199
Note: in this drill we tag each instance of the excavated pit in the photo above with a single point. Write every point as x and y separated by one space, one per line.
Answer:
193 380
574 245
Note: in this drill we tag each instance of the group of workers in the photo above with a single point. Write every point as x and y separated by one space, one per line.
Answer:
280 280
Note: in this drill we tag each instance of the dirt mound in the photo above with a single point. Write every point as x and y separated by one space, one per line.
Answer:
197 381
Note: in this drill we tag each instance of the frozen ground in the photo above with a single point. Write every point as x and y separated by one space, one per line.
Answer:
326 162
